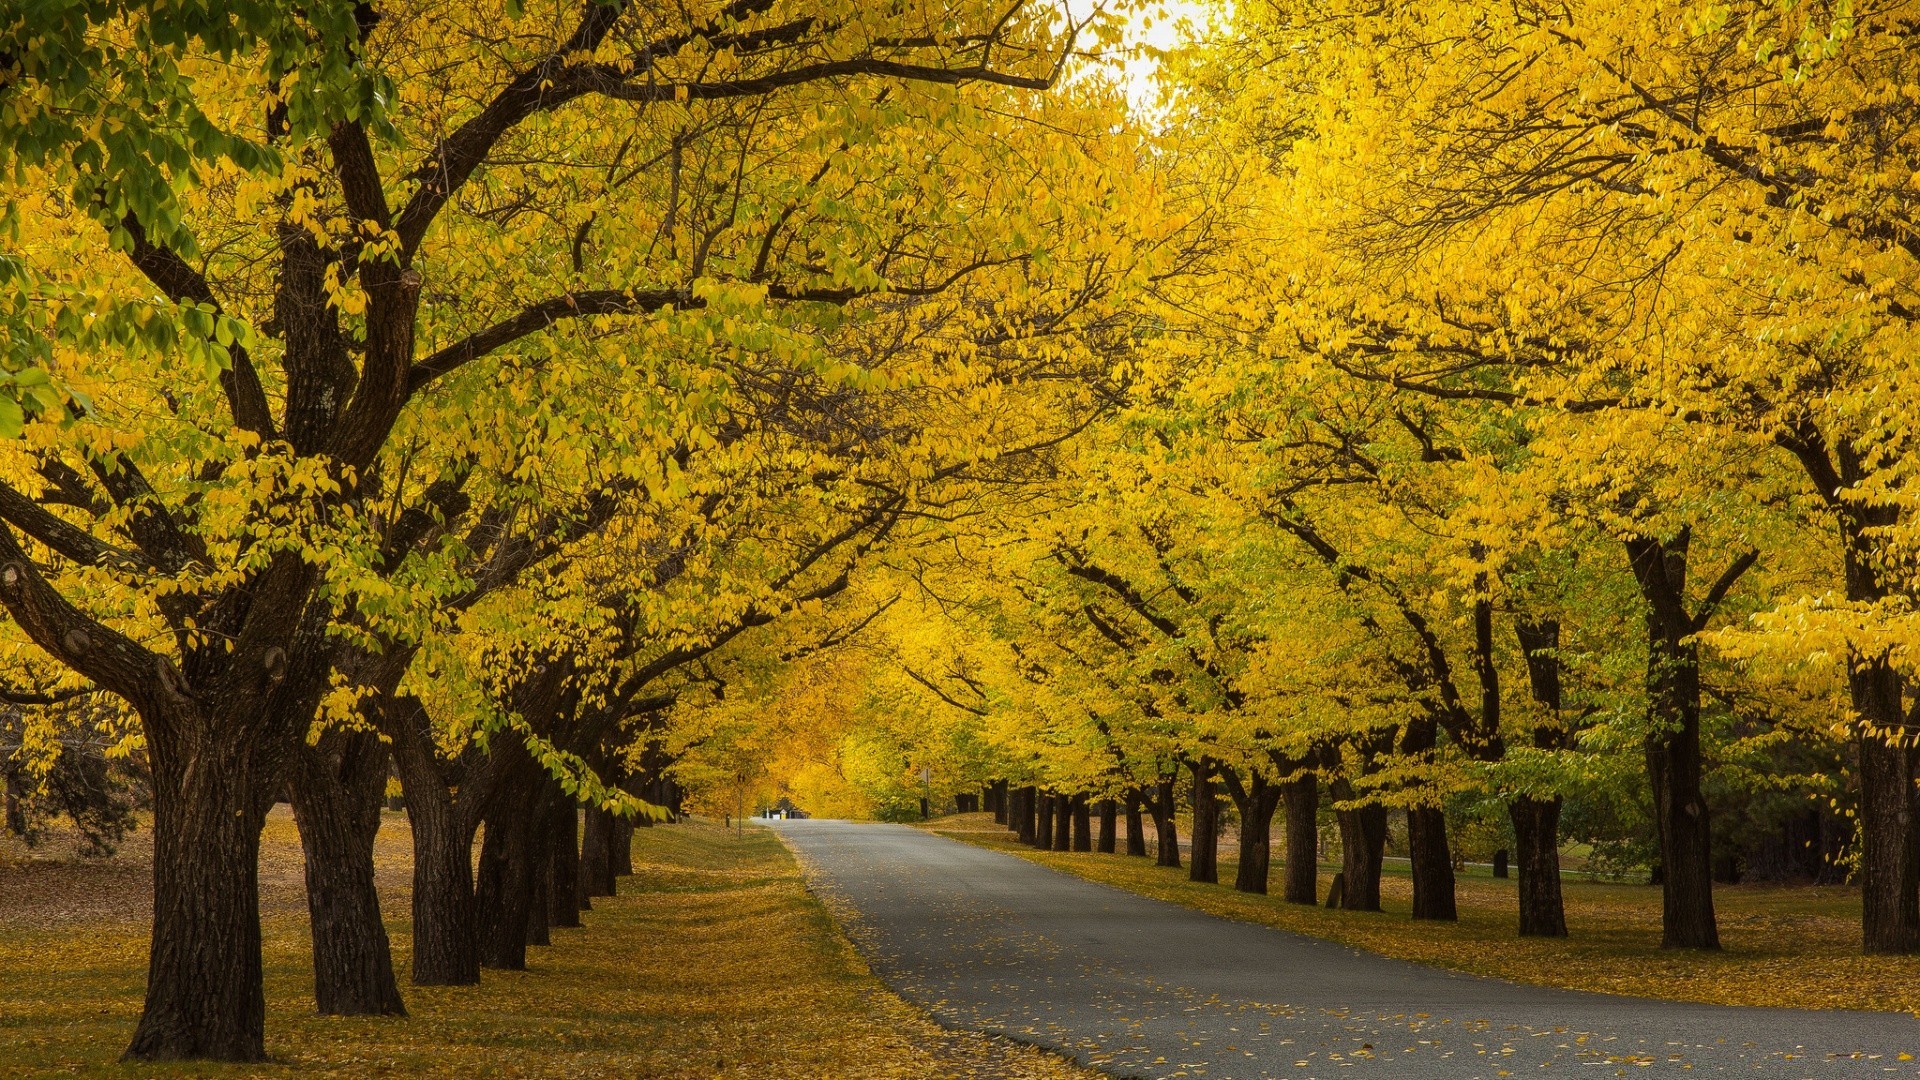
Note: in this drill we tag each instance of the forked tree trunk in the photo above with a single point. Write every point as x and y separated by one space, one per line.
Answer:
1433 884
337 787
1674 766
1363 841
1256 800
1136 828
1536 821
1302 798
1109 838
1206 823
1082 824
1167 851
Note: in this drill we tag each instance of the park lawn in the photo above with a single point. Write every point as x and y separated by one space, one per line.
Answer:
1783 945
715 963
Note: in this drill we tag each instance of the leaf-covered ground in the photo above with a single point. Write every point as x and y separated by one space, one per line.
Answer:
714 963
1786 946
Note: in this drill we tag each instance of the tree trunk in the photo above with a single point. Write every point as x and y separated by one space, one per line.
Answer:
205 998
1536 841
1167 853
1027 809
596 854
1256 807
1889 869
446 949
1433 885
1674 765
1206 823
1109 831
1043 832
505 885
999 802
1136 828
1082 824
1363 841
337 788
1062 823
1302 797
565 900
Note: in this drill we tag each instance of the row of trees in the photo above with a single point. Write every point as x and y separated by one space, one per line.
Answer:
454 390
1534 442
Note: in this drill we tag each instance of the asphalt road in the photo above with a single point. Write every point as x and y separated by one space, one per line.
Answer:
1142 988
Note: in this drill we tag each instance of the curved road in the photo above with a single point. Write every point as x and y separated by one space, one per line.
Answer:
1142 988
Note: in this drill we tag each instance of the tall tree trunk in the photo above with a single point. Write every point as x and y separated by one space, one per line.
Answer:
1043 833
205 998
1433 885
1027 809
505 886
596 854
565 899
1889 869
1206 823
1082 824
1536 843
1109 832
1167 851
1062 823
1302 797
337 787
1674 765
1256 800
999 802
1536 821
1363 842
1136 828
446 947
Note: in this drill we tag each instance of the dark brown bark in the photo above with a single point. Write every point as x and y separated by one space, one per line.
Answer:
446 950
337 787
596 854
1167 849
1062 823
998 800
1363 841
1302 799
1433 884
1256 800
1674 761
1536 843
1536 821
1026 812
1109 831
565 900
1136 827
1043 830
1205 865
1082 824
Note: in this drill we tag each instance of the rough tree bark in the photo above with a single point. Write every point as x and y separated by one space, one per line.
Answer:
596 854
1302 797
1205 855
1536 821
337 787
1136 828
1167 849
1256 800
1363 841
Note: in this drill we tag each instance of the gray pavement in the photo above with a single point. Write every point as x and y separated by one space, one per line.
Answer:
1142 988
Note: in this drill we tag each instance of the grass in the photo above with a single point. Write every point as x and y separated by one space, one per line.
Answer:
1796 946
715 962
